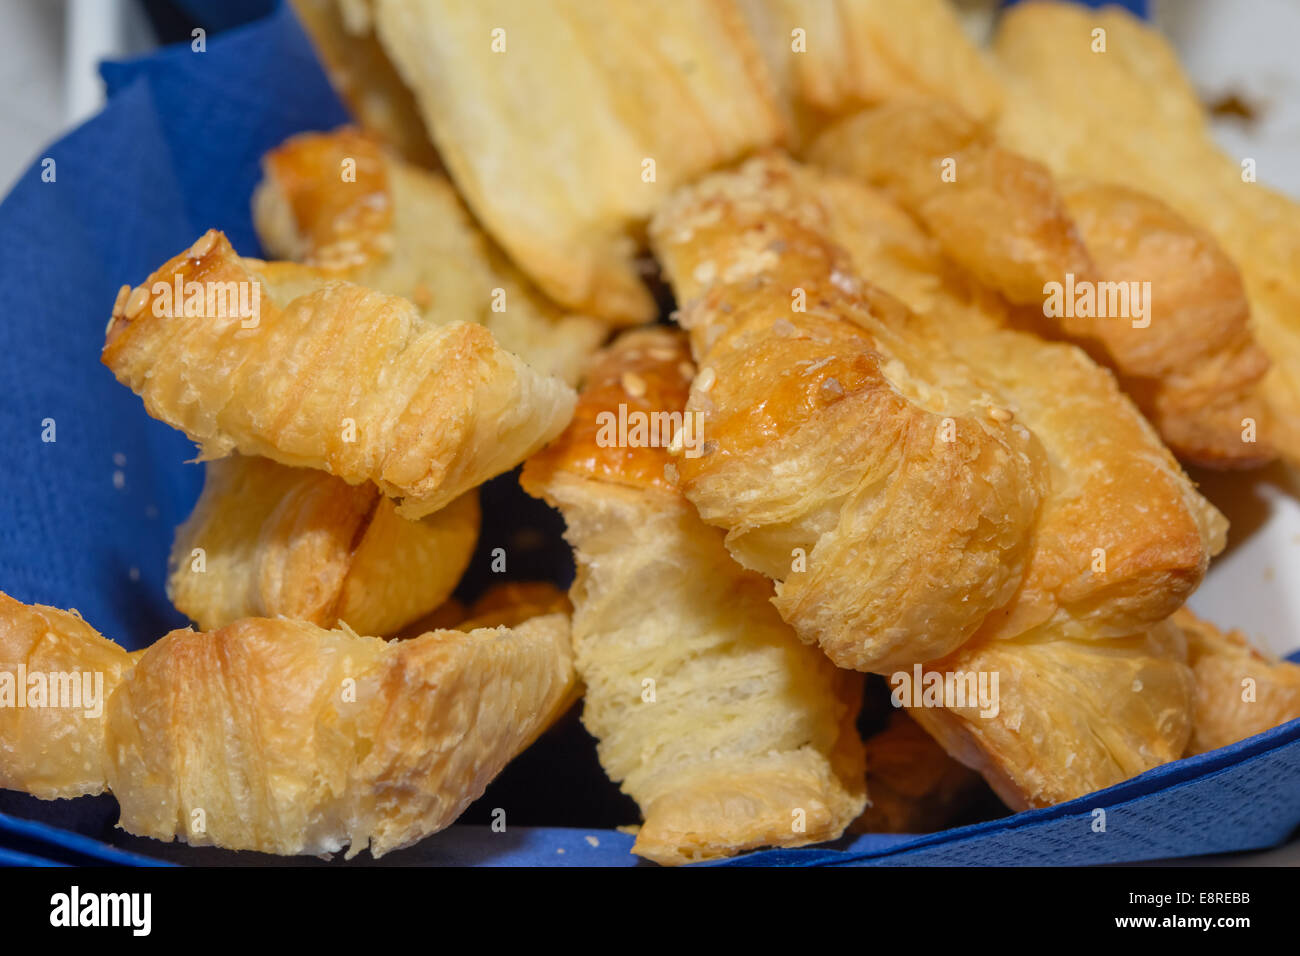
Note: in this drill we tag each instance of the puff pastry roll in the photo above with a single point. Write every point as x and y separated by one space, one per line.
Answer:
266 540
402 230
829 57
1130 116
1240 690
331 376
997 214
1069 716
56 676
565 123
728 732
281 737
826 458
914 786
935 492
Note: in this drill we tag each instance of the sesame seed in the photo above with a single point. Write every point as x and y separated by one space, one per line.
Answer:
203 245
704 381
136 303
687 369
633 384
120 301
1001 414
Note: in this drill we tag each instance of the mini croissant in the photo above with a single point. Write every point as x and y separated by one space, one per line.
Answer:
328 375
1182 347
905 493
728 732
340 202
267 540
281 737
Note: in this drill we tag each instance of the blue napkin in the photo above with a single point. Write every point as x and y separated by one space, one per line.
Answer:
87 516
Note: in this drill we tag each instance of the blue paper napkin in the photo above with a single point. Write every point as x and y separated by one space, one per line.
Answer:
93 489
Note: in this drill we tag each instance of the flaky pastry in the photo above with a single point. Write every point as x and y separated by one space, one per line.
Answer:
565 123
1130 116
728 732
399 229
278 736
909 479
995 213
267 540
913 786
1240 690
329 375
1072 714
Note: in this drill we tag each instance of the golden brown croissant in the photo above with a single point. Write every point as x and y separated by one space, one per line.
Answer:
1183 349
1240 690
281 737
727 731
1068 717
913 785
930 475
513 602
997 214
56 676
335 377
402 230
565 123
831 56
266 540
1129 116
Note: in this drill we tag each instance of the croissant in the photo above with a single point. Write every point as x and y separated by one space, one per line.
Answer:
831 56
1068 715
56 676
1240 691
905 495
281 737
914 786
1183 348
399 229
1130 116
266 540
996 214
563 124
728 732
331 376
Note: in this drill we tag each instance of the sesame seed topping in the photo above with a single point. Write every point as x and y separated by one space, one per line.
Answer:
136 302
1000 414
120 302
633 384
203 245
704 381
686 368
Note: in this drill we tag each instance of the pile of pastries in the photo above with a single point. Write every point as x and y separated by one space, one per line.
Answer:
905 464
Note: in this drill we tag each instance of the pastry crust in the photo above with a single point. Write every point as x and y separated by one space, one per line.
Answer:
914 786
824 431
547 139
54 752
1131 116
296 542
747 738
281 737
1073 715
1057 462
862 52
1240 690
402 230
997 214
342 33
339 378
1194 368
